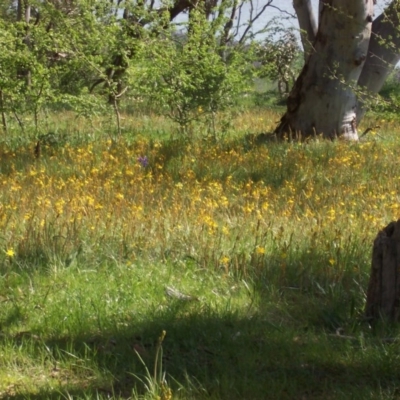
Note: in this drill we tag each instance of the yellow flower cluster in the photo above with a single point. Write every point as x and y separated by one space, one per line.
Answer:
208 201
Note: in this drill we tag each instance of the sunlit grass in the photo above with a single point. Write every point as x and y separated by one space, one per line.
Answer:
272 242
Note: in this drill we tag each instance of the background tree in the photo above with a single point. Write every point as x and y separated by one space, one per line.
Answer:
342 68
277 54
85 54
78 53
194 75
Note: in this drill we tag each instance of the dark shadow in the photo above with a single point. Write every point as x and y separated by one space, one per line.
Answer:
284 345
230 358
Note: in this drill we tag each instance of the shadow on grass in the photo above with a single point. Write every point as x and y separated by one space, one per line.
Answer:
230 358
281 345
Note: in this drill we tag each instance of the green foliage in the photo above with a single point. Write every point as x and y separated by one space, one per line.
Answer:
193 78
87 57
156 386
388 102
61 58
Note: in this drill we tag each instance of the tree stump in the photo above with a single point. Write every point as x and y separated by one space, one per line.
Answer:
383 295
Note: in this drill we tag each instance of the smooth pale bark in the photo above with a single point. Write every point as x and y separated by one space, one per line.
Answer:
383 53
322 100
308 24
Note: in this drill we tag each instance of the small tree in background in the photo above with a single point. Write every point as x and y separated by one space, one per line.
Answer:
278 54
25 74
191 78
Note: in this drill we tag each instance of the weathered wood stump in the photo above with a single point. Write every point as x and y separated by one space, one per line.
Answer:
383 295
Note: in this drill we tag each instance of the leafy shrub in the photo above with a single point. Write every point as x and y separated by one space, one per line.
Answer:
193 78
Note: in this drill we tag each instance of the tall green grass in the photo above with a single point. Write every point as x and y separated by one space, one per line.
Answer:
254 259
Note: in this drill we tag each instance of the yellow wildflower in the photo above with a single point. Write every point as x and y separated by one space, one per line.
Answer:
224 260
260 250
10 252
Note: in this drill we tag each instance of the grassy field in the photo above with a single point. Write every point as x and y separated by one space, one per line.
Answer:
160 268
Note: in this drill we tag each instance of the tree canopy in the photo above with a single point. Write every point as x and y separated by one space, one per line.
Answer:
193 59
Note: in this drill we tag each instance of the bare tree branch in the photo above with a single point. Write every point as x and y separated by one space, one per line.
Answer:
228 26
239 18
307 22
282 11
253 19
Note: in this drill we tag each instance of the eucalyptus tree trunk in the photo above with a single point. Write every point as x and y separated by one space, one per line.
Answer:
383 55
308 24
323 100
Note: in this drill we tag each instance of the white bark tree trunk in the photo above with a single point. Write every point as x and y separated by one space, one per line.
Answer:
308 24
383 54
323 100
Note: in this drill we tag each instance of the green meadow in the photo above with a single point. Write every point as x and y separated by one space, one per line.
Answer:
157 266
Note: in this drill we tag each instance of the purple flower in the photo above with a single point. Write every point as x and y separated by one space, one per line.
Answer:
143 161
